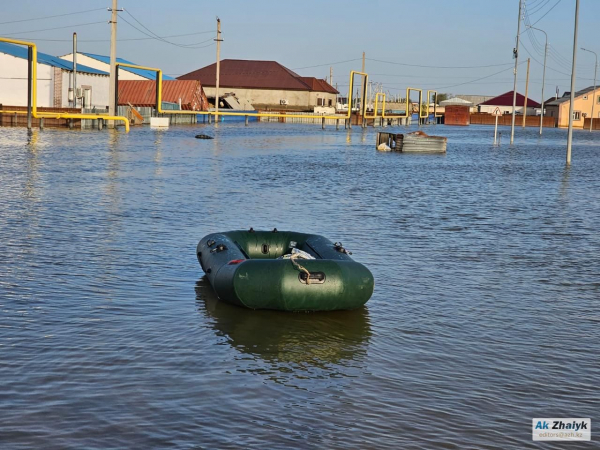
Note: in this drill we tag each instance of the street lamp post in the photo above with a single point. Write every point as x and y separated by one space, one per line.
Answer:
543 76
573 78
516 55
594 93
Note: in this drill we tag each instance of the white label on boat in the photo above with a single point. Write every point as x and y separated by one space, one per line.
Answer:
293 244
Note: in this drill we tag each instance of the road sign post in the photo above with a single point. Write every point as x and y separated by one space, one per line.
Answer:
496 113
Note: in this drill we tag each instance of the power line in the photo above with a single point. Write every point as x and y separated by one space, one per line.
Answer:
538 7
438 67
549 67
147 29
477 79
553 53
415 76
188 46
153 35
56 28
546 12
327 64
51 17
130 39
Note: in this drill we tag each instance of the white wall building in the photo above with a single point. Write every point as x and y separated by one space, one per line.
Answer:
505 101
54 77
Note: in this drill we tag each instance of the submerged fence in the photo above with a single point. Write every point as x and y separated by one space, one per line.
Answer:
289 118
145 111
506 119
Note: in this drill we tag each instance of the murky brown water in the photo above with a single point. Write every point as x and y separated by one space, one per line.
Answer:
485 314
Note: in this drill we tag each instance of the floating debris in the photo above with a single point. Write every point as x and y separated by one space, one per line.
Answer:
203 136
418 142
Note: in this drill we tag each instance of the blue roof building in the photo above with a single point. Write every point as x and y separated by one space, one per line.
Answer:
20 51
102 62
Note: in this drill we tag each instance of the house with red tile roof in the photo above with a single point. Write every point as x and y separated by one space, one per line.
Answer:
265 84
505 103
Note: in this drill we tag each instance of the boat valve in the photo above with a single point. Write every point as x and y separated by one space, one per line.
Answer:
340 248
218 248
210 243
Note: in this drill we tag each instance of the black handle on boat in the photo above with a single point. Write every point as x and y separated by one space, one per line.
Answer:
340 248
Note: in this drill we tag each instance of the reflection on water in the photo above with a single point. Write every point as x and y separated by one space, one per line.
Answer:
300 344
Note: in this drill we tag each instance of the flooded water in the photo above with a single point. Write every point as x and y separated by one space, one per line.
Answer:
486 310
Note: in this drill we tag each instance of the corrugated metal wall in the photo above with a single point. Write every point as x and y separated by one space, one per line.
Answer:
456 115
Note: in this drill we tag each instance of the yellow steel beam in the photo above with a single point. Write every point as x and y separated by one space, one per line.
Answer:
374 116
435 114
420 91
49 115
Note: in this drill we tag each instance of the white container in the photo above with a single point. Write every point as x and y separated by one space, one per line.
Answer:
161 122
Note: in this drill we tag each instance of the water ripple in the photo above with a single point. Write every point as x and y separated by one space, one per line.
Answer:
485 312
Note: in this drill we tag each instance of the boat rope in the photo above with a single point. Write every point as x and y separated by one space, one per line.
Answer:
300 267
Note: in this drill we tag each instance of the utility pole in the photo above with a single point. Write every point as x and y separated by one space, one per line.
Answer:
516 55
594 96
593 93
572 100
543 76
330 76
112 104
74 70
218 39
526 94
362 87
29 85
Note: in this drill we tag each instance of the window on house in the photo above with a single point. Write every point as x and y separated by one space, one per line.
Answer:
320 102
576 115
598 100
330 102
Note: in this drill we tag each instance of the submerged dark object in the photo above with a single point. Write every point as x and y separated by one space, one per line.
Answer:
203 136
243 269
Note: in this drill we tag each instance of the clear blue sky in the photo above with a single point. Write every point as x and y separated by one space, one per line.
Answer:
310 33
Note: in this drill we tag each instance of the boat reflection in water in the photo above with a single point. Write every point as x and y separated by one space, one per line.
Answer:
293 345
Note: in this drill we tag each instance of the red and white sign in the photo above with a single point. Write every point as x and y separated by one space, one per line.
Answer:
497 112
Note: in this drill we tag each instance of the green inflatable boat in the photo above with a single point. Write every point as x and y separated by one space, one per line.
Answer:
283 270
